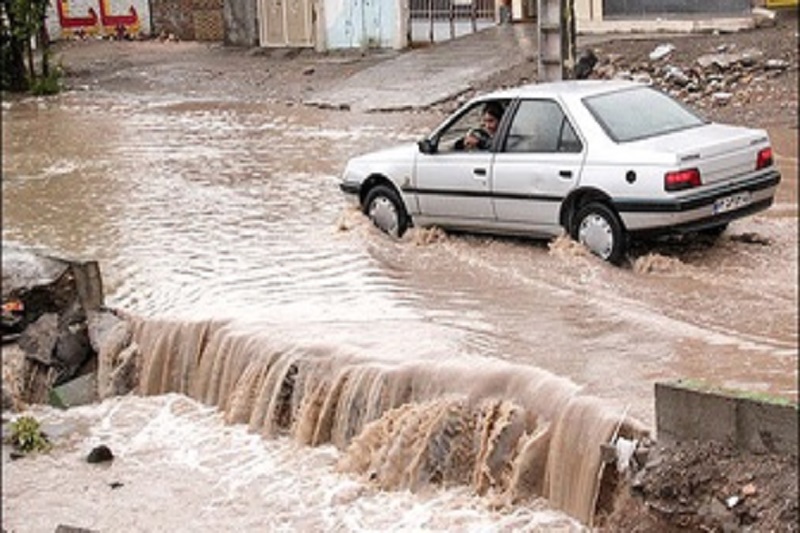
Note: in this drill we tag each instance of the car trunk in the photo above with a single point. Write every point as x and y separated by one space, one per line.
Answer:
718 151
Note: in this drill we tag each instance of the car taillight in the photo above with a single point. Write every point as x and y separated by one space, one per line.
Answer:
682 179
764 158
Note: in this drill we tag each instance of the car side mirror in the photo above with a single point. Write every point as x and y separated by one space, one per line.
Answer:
427 146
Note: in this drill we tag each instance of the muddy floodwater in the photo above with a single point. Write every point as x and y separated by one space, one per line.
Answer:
202 209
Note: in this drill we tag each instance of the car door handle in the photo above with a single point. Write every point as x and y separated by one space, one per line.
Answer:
481 172
565 173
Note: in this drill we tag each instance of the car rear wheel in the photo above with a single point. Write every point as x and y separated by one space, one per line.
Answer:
386 210
599 229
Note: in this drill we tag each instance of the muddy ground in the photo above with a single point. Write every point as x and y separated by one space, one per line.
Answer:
694 486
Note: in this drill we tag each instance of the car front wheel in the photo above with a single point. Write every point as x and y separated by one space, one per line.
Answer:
386 210
599 229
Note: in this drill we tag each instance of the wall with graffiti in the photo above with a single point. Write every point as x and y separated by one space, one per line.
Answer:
103 18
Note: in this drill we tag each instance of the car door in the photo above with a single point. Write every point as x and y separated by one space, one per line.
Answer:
536 166
454 184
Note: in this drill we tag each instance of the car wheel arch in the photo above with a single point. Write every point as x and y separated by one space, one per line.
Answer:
579 198
373 181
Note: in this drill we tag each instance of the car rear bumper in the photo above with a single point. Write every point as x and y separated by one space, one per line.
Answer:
697 211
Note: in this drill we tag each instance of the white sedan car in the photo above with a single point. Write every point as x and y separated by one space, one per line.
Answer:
605 161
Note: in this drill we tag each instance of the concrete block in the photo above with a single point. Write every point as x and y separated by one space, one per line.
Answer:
693 412
766 427
687 414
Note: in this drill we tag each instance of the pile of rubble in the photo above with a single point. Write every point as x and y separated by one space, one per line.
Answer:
61 345
726 77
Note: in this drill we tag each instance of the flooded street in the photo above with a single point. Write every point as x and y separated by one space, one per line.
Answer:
216 209
221 210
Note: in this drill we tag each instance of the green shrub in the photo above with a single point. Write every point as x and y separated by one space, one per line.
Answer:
27 435
47 85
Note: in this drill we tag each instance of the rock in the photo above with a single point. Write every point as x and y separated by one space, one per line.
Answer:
73 347
721 98
749 490
661 51
107 330
38 341
776 64
79 391
750 57
722 61
676 76
100 454
764 18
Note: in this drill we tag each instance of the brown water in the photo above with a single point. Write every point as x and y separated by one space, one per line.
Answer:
203 210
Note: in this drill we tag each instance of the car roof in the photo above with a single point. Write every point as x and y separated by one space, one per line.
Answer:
571 88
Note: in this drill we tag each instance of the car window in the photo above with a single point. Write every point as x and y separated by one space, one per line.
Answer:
541 126
451 137
638 113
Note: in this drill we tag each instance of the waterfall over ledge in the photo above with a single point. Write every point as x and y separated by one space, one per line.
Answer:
510 432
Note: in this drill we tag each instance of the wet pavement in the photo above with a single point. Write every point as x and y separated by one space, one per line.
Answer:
426 76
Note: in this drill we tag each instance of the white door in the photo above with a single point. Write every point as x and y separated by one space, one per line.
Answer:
455 182
285 23
538 164
455 185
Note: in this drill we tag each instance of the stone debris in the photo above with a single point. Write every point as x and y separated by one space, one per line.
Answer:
68 348
661 51
725 76
764 18
100 454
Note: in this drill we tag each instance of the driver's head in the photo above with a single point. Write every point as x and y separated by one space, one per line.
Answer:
492 113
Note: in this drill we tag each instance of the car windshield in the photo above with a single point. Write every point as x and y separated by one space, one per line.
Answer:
639 113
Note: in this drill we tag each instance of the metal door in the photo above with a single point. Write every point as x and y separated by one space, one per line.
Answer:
285 23
440 20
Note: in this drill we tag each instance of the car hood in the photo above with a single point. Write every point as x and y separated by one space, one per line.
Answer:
401 153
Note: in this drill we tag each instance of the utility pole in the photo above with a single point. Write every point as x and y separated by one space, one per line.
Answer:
555 22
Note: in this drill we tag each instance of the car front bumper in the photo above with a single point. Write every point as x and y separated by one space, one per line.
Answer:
351 191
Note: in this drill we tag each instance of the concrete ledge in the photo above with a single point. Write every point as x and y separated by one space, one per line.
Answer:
694 412
721 25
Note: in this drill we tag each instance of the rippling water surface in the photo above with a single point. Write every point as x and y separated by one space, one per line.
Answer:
199 209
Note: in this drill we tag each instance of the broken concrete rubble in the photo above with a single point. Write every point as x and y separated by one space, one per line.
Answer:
724 76
58 327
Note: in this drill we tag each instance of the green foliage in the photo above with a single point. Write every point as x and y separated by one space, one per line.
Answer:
27 17
22 22
27 436
49 84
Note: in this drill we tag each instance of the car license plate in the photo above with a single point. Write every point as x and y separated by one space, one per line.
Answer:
732 202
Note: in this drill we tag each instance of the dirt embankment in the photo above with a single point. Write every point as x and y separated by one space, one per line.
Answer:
709 486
